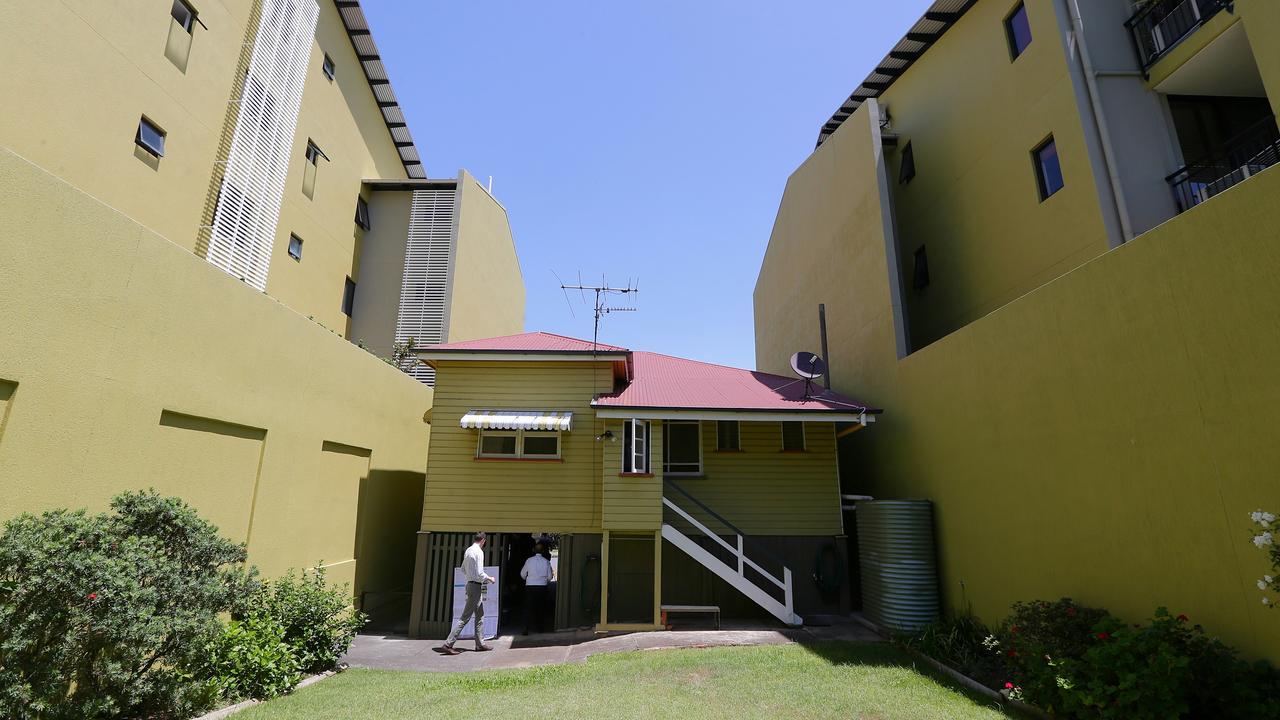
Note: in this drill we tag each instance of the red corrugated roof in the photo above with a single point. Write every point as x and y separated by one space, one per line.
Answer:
662 381
532 342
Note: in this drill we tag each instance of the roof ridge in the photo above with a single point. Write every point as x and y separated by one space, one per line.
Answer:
719 365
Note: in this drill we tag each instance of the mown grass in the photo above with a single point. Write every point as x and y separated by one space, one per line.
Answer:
827 680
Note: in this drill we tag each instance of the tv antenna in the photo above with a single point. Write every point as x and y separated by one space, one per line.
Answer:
602 307
810 367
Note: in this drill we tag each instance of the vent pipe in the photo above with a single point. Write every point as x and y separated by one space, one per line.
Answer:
822 330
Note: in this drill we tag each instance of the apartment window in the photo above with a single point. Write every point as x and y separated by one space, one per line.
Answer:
183 14
792 436
635 446
362 212
314 153
295 247
920 269
328 67
1018 29
348 296
728 436
1048 168
908 168
150 137
682 447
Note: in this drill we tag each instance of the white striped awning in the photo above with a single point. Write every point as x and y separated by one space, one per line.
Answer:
518 420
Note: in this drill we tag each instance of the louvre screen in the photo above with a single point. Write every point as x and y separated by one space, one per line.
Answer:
425 286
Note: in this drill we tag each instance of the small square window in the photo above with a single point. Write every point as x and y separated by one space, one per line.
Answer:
362 212
150 137
1018 29
328 67
183 14
540 444
1048 168
348 296
920 270
727 435
907 170
498 443
295 247
793 436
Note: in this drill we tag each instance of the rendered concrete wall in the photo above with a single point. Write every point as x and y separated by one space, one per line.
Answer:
487 291
126 362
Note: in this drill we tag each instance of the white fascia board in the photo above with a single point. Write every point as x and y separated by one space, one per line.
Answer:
624 413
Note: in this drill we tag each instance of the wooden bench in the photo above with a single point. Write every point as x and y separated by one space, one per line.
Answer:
703 609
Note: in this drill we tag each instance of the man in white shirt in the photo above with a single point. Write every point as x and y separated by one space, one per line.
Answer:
473 571
537 572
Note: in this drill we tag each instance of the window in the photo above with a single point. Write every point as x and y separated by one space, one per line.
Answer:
1018 29
727 435
519 444
540 444
295 247
314 153
348 296
920 271
792 436
328 67
150 137
907 170
682 447
362 212
498 443
1048 169
183 14
635 446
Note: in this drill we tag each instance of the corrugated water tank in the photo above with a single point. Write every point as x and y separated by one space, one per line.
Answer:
898 563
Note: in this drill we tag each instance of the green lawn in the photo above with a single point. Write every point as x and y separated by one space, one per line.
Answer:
829 680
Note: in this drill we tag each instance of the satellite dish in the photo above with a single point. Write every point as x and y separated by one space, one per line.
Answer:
808 365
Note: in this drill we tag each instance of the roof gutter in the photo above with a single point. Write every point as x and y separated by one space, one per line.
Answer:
617 412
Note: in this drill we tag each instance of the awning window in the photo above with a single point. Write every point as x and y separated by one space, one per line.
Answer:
518 420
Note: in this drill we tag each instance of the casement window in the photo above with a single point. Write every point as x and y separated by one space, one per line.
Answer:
792 436
728 435
519 444
682 447
348 296
920 269
313 155
295 247
1018 30
328 68
1048 168
907 170
184 15
635 446
362 213
150 137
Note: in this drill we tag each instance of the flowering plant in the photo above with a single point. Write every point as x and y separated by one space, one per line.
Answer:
1265 541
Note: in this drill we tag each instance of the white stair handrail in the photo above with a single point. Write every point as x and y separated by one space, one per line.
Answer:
738 552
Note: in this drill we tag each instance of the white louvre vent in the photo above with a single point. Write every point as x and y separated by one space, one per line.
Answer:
244 223
424 290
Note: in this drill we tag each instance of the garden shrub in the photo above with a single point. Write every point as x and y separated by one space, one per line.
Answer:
960 643
1037 638
250 659
319 622
109 615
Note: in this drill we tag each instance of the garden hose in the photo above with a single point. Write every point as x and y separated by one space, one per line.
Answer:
828 581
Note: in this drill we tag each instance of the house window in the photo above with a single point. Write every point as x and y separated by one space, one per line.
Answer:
519 444
150 137
682 447
348 296
362 212
498 443
635 446
907 170
728 436
792 436
539 444
328 67
183 14
295 247
1018 29
1048 169
920 271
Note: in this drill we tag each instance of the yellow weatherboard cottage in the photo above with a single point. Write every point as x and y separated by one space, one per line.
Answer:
1053 261
667 482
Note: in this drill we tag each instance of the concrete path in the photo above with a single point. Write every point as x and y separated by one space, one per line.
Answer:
390 652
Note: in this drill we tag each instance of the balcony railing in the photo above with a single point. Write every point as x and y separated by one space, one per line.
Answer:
1245 155
1159 25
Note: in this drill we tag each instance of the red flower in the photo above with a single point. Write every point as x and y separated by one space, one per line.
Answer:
92 596
1071 612
1102 636
1014 629
1183 618
1008 686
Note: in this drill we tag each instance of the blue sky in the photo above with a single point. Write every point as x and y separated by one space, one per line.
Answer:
646 140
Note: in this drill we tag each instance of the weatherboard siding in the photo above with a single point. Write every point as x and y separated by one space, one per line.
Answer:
632 502
466 494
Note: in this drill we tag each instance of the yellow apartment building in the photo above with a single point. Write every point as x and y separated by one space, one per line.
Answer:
1042 233
203 205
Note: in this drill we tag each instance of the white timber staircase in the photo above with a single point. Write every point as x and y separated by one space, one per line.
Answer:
736 576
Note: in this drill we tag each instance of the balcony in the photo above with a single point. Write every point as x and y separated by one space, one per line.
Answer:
1159 25
1245 155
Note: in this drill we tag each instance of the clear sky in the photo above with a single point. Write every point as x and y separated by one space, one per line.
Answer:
642 139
